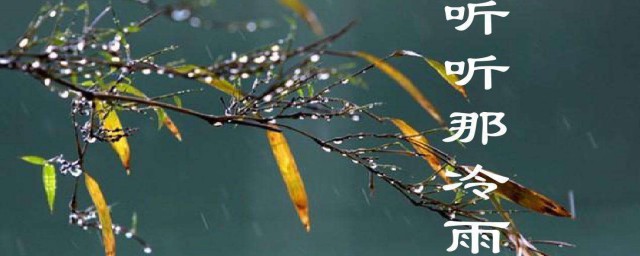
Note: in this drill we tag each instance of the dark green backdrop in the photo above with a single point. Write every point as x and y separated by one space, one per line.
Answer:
571 100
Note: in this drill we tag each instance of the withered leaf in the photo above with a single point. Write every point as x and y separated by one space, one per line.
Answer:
305 13
524 196
102 208
405 83
111 122
290 175
420 143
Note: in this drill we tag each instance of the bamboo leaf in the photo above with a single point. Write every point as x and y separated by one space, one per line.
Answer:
405 83
524 196
35 160
420 144
290 175
438 67
451 79
305 13
104 215
111 122
49 182
223 86
164 119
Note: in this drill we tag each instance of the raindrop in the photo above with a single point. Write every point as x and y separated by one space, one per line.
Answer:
47 81
128 235
314 58
418 189
323 76
147 250
195 22
53 55
267 98
181 14
146 71
52 13
63 94
243 59
23 43
355 118
275 48
251 26
35 64
344 81
326 149
314 117
268 110
259 60
337 142
4 61
217 124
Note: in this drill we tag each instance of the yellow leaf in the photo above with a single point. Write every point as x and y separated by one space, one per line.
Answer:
165 120
172 127
305 13
420 143
451 79
290 175
111 122
405 83
524 196
223 85
104 215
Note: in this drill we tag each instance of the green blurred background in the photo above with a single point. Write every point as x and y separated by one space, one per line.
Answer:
570 98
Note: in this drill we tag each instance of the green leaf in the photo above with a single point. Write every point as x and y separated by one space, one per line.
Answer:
132 29
162 115
177 100
49 181
36 160
83 6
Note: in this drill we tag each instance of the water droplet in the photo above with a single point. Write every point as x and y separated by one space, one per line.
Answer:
181 14
314 117
217 124
355 118
128 235
275 48
337 142
23 43
259 60
251 26
268 110
53 13
146 71
344 81
243 59
314 58
417 189
267 98
47 81
147 250
195 22
323 76
289 83
53 55
326 149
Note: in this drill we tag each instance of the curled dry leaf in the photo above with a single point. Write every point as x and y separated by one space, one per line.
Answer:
524 196
420 143
102 208
290 175
111 122
305 13
405 83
